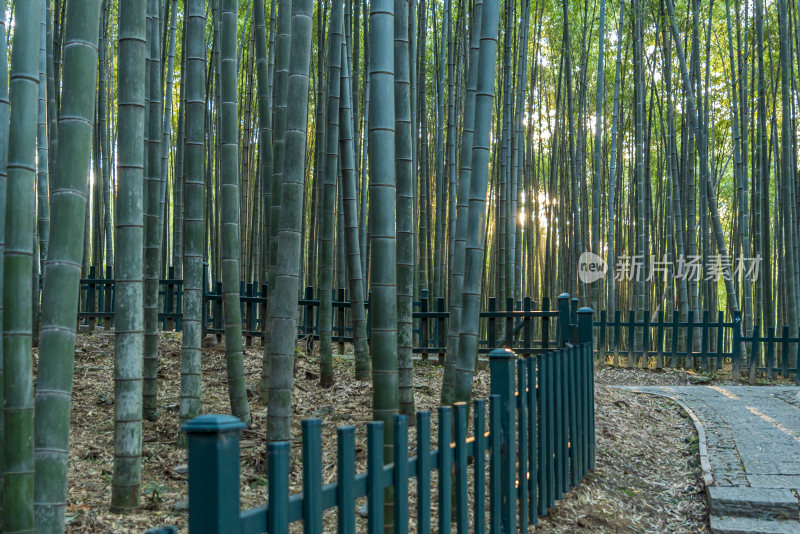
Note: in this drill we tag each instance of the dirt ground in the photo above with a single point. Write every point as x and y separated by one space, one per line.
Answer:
647 477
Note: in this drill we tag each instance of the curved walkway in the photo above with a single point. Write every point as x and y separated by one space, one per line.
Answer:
750 453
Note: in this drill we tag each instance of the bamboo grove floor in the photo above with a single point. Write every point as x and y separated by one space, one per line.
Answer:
647 477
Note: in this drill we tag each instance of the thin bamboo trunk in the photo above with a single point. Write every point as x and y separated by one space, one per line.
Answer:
4 125
462 230
280 97
229 201
476 244
284 311
152 215
404 209
194 189
352 236
330 174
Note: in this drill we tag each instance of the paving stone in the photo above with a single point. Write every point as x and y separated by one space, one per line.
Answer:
775 481
753 502
748 525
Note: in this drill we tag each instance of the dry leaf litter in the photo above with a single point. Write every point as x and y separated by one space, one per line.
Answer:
647 477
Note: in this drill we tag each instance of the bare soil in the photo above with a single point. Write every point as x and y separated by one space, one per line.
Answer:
647 477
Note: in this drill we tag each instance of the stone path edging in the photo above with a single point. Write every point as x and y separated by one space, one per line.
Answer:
747 443
705 465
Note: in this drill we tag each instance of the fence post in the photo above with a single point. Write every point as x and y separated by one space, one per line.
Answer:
508 342
736 352
491 322
502 367
545 323
563 316
585 325
585 329
91 297
214 473
278 488
204 300
423 322
573 319
107 296
441 331
340 319
527 329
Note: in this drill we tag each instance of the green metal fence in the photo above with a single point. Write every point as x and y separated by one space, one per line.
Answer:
526 325
697 343
538 444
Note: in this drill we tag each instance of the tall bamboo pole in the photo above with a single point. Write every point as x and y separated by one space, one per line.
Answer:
352 235
128 261
62 268
330 174
152 214
229 165
284 310
18 462
4 118
194 216
476 245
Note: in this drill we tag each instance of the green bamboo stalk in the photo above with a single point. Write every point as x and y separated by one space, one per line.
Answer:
330 173
383 263
128 261
194 189
282 43
639 90
462 229
598 146
42 188
42 228
4 119
518 155
179 172
612 173
503 183
18 460
284 311
475 245
52 111
229 166
787 173
439 164
405 209
265 132
62 269
152 214
576 235
102 109
351 231
166 133
264 65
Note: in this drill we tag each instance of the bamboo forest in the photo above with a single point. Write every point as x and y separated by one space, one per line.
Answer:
399 265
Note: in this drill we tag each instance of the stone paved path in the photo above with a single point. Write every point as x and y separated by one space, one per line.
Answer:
750 454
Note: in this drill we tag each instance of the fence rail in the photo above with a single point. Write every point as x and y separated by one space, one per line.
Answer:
539 444
705 344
